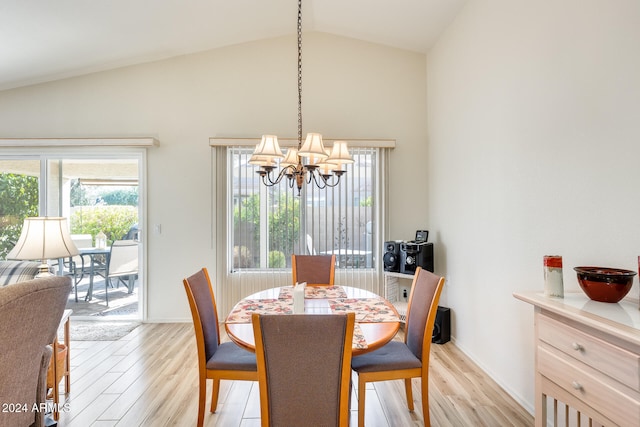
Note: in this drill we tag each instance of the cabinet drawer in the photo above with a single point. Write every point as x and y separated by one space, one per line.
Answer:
589 386
620 364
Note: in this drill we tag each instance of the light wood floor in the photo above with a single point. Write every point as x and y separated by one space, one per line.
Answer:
149 378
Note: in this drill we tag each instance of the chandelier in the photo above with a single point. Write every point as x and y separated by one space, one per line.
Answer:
309 162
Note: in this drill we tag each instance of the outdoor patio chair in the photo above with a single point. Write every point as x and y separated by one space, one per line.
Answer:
122 263
77 265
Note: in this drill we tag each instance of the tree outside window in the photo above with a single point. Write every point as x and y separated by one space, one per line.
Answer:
18 200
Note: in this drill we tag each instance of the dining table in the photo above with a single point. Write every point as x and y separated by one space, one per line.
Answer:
377 320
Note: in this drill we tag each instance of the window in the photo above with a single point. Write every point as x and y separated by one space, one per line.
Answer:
268 224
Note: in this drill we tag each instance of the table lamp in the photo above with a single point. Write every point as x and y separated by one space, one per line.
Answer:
44 238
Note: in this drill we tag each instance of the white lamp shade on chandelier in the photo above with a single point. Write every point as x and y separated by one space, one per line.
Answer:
269 147
313 147
291 159
339 154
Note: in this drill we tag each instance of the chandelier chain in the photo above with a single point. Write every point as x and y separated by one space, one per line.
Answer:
299 74
298 174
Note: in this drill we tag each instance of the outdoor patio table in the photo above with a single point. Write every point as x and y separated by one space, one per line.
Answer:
92 253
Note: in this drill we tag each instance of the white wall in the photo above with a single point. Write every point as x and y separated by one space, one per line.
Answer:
351 89
534 142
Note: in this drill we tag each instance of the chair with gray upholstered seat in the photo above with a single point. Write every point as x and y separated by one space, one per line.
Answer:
316 270
304 368
408 359
216 361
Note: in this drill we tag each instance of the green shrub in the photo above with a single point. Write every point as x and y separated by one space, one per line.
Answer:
113 221
277 259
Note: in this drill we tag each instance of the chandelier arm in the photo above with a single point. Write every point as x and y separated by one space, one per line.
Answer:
331 180
320 183
337 181
266 176
266 180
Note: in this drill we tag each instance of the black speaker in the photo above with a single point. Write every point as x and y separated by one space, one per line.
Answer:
391 257
442 326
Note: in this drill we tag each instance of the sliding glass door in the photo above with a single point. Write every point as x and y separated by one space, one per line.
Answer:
99 194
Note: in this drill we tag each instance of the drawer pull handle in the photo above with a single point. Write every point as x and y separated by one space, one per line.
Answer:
577 347
576 385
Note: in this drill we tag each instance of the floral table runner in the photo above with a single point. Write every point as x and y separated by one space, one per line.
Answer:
242 312
368 310
312 292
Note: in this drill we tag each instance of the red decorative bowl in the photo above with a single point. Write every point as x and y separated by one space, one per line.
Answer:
605 284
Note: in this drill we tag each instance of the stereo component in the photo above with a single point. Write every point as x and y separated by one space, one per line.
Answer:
413 255
391 257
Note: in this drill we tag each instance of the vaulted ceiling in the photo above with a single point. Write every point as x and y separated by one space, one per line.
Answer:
48 40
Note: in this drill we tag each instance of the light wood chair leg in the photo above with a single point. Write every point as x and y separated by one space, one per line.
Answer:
425 402
409 393
202 398
361 393
215 391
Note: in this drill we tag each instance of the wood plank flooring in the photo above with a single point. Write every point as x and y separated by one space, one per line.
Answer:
149 378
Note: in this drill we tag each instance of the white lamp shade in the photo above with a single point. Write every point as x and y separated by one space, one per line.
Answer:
291 159
269 147
259 160
313 147
44 238
340 153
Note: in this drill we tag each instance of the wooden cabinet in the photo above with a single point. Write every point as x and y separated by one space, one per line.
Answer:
587 360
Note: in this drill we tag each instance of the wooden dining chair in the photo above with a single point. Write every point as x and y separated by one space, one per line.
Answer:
216 361
408 359
316 270
304 368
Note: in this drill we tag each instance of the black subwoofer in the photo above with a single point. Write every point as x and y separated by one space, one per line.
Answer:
442 326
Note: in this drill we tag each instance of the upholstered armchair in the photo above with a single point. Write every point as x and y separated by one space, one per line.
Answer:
30 314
